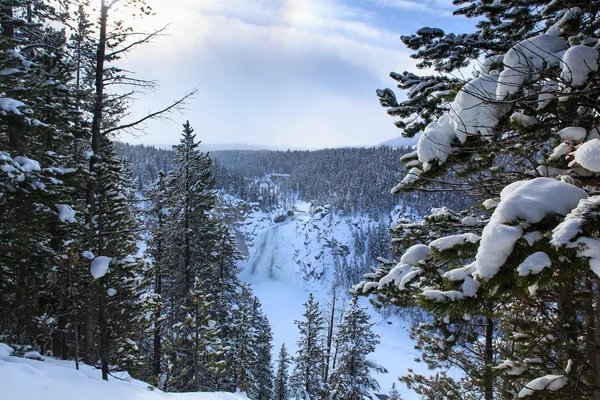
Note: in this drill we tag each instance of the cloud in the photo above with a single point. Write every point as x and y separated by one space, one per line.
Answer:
295 72
441 8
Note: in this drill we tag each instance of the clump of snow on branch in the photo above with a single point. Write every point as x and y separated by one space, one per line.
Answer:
100 266
588 155
548 382
415 254
578 62
534 264
525 60
449 242
527 202
65 213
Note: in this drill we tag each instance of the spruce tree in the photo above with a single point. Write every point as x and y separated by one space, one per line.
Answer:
307 377
352 377
282 390
518 136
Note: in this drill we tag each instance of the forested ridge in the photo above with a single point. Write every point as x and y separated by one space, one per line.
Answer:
118 256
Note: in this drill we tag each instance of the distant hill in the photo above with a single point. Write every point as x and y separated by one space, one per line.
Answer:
235 146
400 142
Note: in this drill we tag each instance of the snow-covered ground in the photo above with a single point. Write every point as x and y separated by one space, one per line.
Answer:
51 379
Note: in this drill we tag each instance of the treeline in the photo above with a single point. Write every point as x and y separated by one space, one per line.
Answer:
352 180
73 281
332 357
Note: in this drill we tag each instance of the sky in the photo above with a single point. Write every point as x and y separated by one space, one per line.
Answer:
279 73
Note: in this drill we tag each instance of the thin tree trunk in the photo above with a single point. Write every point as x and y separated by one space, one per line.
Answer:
330 336
489 358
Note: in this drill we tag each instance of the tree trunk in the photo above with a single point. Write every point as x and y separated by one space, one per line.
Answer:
489 359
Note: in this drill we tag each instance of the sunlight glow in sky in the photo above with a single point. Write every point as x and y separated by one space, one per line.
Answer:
279 72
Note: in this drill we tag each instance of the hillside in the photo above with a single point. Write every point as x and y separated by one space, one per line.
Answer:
47 378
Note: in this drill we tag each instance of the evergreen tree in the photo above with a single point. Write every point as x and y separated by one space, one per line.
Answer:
394 394
518 135
307 378
282 391
352 378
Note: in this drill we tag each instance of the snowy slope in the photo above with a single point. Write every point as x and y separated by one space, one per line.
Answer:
51 379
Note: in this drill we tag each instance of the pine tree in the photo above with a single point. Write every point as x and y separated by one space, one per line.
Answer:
282 391
307 377
518 134
352 378
394 394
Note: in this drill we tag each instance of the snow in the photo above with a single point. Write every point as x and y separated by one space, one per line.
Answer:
523 120
65 213
459 274
591 249
533 237
588 155
567 230
530 201
578 62
548 382
53 379
400 275
111 292
569 15
8 105
469 221
449 242
470 287
410 178
490 204
415 254
534 264
27 164
560 151
526 59
34 355
497 242
474 111
100 267
511 367
88 254
435 142
5 350
527 201
573 134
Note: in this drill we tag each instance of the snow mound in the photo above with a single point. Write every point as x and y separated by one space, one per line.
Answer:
53 379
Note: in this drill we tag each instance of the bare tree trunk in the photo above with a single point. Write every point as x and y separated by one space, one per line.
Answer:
330 336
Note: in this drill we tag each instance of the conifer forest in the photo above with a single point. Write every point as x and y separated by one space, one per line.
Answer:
459 261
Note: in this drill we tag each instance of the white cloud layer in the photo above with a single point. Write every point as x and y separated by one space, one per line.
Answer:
285 72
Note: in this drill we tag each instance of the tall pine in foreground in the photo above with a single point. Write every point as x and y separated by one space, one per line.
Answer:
512 289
